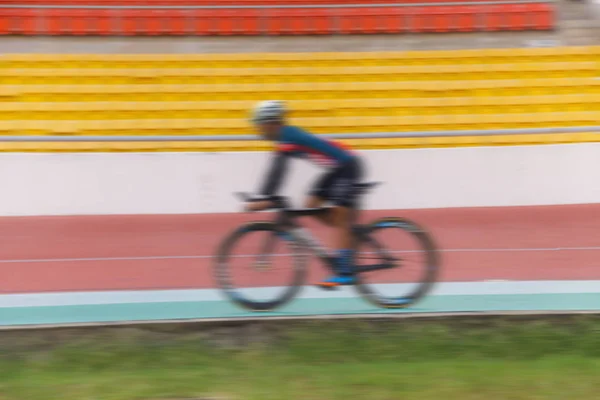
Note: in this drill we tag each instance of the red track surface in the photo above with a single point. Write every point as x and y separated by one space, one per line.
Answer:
524 235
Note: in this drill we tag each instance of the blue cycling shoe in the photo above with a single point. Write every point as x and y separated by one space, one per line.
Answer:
336 281
344 271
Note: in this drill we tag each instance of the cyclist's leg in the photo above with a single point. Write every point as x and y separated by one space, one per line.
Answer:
342 221
317 202
343 215
320 193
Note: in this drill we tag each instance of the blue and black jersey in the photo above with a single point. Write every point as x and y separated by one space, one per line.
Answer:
297 142
294 142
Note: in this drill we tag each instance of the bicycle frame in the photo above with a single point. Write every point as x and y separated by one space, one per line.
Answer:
287 220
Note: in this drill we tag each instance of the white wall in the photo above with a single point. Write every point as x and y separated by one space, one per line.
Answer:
595 8
142 183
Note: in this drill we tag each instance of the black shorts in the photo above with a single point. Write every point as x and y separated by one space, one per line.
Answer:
338 185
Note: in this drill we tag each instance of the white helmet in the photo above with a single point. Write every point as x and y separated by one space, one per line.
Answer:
268 110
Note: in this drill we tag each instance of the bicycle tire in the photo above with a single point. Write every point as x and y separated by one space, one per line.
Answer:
222 276
432 265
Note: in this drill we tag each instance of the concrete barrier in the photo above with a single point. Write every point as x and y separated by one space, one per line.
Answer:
180 183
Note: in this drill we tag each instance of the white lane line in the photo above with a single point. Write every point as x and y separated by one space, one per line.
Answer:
50 260
182 257
207 295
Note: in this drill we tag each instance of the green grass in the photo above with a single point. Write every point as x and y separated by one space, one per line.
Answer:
326 360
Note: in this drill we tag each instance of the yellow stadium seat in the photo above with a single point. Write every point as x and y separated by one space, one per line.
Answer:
343 108
319 124
286 60
351 92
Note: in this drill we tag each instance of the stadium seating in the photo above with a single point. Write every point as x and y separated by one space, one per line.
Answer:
193 76
382 92
247 3
278 20
274 61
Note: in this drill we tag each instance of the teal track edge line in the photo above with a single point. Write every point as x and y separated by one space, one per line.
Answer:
135 312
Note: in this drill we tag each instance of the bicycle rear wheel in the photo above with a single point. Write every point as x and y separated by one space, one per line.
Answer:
259 267
396 242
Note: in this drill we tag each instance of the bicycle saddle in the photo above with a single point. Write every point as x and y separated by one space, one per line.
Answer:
366 186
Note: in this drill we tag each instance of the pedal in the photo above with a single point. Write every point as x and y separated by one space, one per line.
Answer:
327 288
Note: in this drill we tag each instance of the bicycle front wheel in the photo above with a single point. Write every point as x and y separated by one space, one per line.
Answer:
412 259
259 267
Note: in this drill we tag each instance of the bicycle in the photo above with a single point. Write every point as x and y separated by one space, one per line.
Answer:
286 228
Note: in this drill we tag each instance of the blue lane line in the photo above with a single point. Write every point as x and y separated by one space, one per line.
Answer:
301 307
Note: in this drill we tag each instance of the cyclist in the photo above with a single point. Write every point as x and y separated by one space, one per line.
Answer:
343 169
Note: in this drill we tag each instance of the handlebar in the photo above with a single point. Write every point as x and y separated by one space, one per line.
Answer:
279 201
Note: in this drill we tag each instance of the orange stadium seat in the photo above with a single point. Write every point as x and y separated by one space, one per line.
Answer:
4 22
465 18
431 19
215 2
276 21
218 2
298 21
543 16
349 22
374 20
75 22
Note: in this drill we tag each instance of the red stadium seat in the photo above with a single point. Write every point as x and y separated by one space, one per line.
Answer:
103 22
543 16
465 18
316 21
217 2
202 23
369 20
518 17
24 22
274 21
249 22
5 20
350 21
392 20
494 19
286 22
435 19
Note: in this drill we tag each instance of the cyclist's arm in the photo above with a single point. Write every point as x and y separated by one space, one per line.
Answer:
270 186
275 174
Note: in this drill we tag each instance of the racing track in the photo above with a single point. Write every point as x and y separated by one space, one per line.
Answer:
111 268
